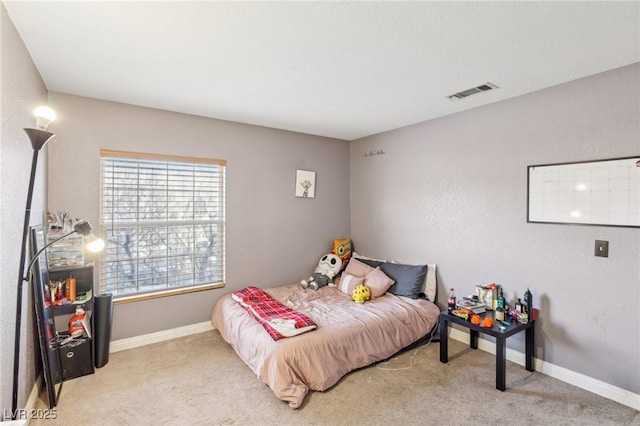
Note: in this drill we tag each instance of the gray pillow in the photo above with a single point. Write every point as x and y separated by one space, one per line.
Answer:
371 262
409 278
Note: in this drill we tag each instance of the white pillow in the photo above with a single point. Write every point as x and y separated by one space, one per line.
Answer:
430 283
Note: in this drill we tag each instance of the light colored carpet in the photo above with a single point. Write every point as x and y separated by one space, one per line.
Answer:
199 380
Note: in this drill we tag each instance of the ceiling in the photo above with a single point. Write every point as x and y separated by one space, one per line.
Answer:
338 69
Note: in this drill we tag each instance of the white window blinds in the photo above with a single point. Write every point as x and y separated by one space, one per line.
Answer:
164 223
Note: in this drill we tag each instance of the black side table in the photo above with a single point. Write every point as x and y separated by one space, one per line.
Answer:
495 331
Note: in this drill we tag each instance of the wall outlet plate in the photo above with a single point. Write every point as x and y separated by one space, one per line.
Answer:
602 248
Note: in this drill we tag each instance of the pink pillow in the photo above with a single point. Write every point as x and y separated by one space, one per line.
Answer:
357 268
349 282
378 282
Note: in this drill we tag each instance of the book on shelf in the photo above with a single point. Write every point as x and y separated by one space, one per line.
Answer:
473 306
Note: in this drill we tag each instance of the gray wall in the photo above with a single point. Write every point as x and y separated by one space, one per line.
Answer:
272 237
452 191
22 90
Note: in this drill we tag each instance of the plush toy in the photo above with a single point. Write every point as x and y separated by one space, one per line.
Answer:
342 249
361 294
327 268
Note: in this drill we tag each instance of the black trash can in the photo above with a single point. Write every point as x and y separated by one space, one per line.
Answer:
102 327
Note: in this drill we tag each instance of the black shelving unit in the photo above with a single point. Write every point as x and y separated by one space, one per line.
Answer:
76 355
64 358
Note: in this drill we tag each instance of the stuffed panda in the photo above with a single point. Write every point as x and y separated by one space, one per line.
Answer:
328 266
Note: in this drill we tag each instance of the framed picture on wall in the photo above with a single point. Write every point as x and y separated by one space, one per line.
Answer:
305 184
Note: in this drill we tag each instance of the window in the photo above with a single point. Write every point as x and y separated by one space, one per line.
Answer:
163 222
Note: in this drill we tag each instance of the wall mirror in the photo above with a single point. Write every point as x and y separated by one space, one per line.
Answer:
603 192
51 367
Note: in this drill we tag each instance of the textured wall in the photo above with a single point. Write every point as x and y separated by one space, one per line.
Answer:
452 191
272 237
22 90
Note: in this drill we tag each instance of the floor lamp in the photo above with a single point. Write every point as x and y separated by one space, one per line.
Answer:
39 138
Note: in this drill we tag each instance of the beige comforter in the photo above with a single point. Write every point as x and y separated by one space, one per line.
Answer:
349 336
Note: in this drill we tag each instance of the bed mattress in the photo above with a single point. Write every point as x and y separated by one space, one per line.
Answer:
348 336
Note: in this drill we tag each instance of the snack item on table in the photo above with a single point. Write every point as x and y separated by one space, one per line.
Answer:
462 313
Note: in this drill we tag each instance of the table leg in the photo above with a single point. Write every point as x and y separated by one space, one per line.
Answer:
501 363
529 347
444 340
473 339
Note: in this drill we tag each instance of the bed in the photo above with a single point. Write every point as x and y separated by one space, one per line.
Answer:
348 335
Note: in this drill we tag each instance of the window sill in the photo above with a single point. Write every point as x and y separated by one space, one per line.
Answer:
166 293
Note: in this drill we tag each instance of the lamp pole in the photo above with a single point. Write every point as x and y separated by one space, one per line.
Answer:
38 140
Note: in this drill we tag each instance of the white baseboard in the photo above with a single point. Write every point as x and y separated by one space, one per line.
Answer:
32 401
582 381
30 406
160 336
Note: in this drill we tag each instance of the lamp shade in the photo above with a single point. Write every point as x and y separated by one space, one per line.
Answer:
82 227
39 138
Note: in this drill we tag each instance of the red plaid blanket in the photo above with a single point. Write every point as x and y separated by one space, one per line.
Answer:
277 319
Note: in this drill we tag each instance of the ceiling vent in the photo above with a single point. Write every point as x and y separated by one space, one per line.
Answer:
466 93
